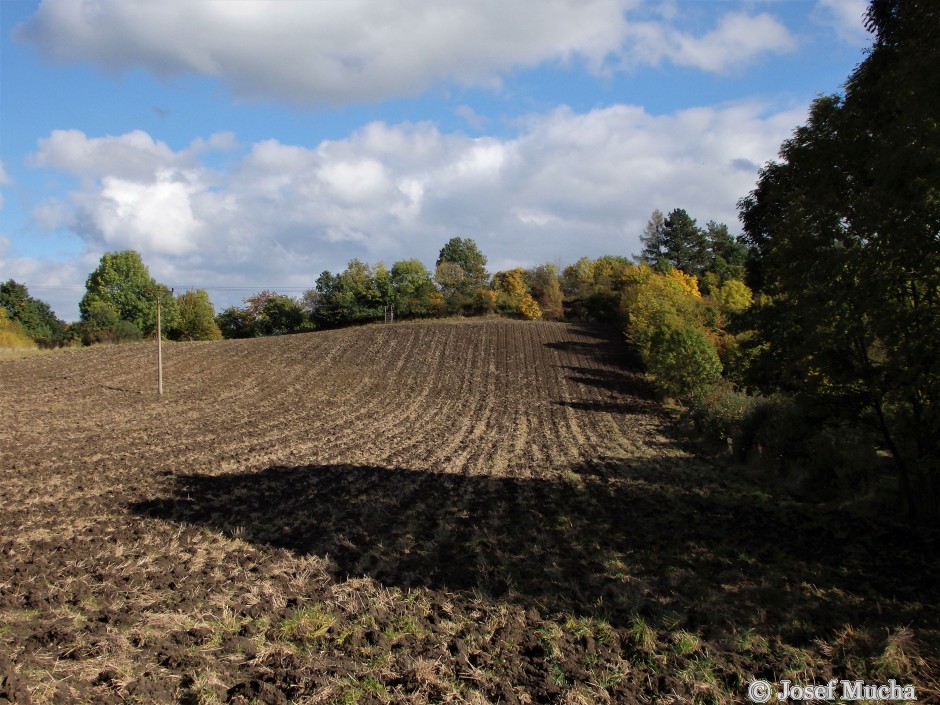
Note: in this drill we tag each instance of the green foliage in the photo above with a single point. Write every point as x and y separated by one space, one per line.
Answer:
726 254
413 289
196 317
593 288
683 359
466 255
265 313
816 455
845 232
234 322
36 317
676 242
123 282
653 240
732 297
666 325
721 411
357 295
460 273
684 244
102 324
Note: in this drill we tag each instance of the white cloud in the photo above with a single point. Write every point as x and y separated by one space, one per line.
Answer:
156 217
329 51
134 155
337 52
736 41
569 184
846 17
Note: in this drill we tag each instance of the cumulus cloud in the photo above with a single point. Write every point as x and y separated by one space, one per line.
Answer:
567 184
337 52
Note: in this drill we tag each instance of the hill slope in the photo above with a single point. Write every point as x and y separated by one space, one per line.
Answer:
485 511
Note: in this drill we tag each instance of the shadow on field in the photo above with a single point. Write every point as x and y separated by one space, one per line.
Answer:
603 344
613 540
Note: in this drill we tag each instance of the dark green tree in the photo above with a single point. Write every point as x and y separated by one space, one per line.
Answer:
123 281
464 253
684 244
726 254
356 295
234 322
36 317
265 313
103 324
846 236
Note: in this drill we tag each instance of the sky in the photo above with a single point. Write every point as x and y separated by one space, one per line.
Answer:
242 145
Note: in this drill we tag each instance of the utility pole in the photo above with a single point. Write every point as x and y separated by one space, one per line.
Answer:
160 293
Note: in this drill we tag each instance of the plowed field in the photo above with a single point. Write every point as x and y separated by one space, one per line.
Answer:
466 512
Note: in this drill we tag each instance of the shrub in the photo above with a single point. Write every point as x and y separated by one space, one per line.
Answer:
529 308
817 456
11 333
683 359
721 411
125 332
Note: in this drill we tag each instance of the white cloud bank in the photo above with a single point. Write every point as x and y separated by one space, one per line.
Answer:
569 184
341 51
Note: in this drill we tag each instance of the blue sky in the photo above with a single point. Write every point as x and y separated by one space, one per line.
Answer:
248 144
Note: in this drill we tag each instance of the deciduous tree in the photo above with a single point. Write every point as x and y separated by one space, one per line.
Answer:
123 282
846 235
196 317
36 317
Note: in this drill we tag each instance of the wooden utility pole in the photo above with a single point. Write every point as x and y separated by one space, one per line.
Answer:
160 293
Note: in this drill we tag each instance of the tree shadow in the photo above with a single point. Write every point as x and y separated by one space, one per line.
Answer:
613 539
603 344
624 406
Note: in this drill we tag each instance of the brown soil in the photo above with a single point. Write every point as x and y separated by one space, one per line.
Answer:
456 512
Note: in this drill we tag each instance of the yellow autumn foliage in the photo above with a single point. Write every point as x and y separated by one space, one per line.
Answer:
12 335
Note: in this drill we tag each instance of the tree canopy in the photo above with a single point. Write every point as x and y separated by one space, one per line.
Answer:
846 235
196 317
36 317
122 282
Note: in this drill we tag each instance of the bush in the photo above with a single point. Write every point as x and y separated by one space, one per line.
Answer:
529 308
817 457
11 333
118 332
125 332
683 359
721 412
